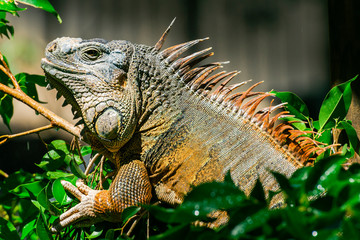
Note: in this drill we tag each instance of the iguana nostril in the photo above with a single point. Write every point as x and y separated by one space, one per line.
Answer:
52 47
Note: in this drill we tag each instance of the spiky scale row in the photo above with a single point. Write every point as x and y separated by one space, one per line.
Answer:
202 80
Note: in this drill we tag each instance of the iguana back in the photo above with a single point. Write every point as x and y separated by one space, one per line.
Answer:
168 123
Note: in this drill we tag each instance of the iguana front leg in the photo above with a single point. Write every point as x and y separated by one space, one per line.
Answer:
130 187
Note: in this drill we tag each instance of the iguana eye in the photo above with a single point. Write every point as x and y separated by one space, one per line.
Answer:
91 54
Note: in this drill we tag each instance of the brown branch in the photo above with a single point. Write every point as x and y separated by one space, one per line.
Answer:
4 67
4 138
4 174
3 62
109 175
52 117
101 174
93 174
138 216
76 144
91 163
18 94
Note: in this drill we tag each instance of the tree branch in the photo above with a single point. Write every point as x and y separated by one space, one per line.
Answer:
4 67
36 130
18 94
51 116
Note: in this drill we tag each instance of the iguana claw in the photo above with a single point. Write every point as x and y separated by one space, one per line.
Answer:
84 213
131 187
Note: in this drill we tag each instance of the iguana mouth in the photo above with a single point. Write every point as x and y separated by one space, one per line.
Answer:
62 90
46 63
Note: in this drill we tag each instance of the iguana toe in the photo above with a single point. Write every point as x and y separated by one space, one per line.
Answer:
83 213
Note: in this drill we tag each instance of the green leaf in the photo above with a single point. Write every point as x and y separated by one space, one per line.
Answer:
170 215
6 108
350 228
58 156
335 105
110 234
128 213
286 187
250 223
208 197
27 84
86 150
42 229
177 232
58 174
297 123
76 170
27 210
95 232
351 134
60 145
53 160
42 4
323 174
294 105
14 180
5 29
59 192
316 125
42 198
295 223
28 228
28 189
325 136
10 6
7 230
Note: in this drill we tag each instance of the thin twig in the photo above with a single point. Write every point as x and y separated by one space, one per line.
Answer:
36 130
77 145
101 173
93 173
12 77
54 119
148 226
42 140
91 163
3 62
4 174
110 174
5 68
126 223
136 221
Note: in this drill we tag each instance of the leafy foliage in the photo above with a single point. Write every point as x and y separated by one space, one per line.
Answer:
42 4
332 115
26 81
10 6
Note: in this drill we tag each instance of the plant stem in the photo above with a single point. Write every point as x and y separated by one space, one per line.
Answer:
51 116
36 130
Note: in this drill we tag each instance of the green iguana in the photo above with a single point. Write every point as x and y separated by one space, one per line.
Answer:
168 123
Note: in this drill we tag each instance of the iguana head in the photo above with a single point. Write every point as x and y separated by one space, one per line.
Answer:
93 76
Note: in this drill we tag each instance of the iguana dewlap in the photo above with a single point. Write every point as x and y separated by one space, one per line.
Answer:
167 122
